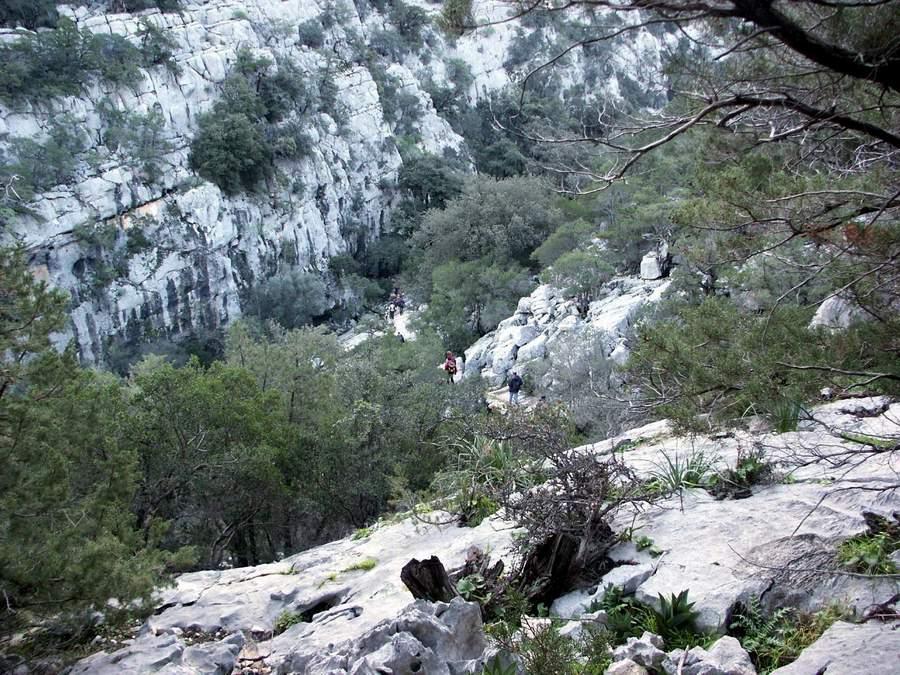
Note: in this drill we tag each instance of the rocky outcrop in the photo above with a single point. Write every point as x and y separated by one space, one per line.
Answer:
838 312
546 321
440 638
185 257
646 654
344 608
850 649
726 551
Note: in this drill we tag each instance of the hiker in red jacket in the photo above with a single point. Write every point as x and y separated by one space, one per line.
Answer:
449 365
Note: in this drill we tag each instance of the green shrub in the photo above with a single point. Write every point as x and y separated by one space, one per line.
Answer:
31 14
482 469
230 150
869 553
44 165
776 640
681 471
157 48
751 468
311 33
138 137
675 620
292 298
239 139
456 17
61 61
364 565
285 620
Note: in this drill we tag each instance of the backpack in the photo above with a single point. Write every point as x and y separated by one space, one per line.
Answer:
451 365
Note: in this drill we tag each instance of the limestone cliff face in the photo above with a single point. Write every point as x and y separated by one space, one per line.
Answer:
203 250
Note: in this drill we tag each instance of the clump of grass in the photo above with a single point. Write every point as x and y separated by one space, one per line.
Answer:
285 620
363 565
681 471
869 553
776 640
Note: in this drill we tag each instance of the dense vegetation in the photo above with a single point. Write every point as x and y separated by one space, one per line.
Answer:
112 482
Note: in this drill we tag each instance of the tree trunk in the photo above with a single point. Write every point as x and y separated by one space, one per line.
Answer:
428 580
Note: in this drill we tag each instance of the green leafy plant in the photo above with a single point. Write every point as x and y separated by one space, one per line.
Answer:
285 620
681 471
484 468
752 468
499 665
776 639
785 415
677 620
474 589
869 553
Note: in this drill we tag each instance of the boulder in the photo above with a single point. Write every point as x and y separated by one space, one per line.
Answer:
626 577
625 667
725 657
165 653
645 651
426 637
650 267
836 313
850 649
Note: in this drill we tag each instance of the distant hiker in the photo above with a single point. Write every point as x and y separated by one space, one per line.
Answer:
391 311
449 366
396 301
515 385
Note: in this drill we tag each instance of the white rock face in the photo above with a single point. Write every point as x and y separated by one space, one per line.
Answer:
722 552
837 313
545 320
850 649
208 250
650 267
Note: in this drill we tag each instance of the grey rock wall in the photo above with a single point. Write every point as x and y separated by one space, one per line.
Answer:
207 249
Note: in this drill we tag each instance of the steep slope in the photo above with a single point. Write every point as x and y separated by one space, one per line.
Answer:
350 609
174 255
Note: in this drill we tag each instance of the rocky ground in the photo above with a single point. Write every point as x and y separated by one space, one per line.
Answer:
341 608
546 322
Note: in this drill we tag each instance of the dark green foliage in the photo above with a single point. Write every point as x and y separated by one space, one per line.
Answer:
567 237
42 165
401 108
293 298
230 150
468 299
675 620
870 553
377 414
29 14
61 61
139 138
207 442
451 100
410 22
157 48
501 221
580 274
731 363
775 640
311 33
456 17
69 471
430 180
259 117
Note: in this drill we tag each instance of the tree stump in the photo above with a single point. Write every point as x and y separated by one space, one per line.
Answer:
428 580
